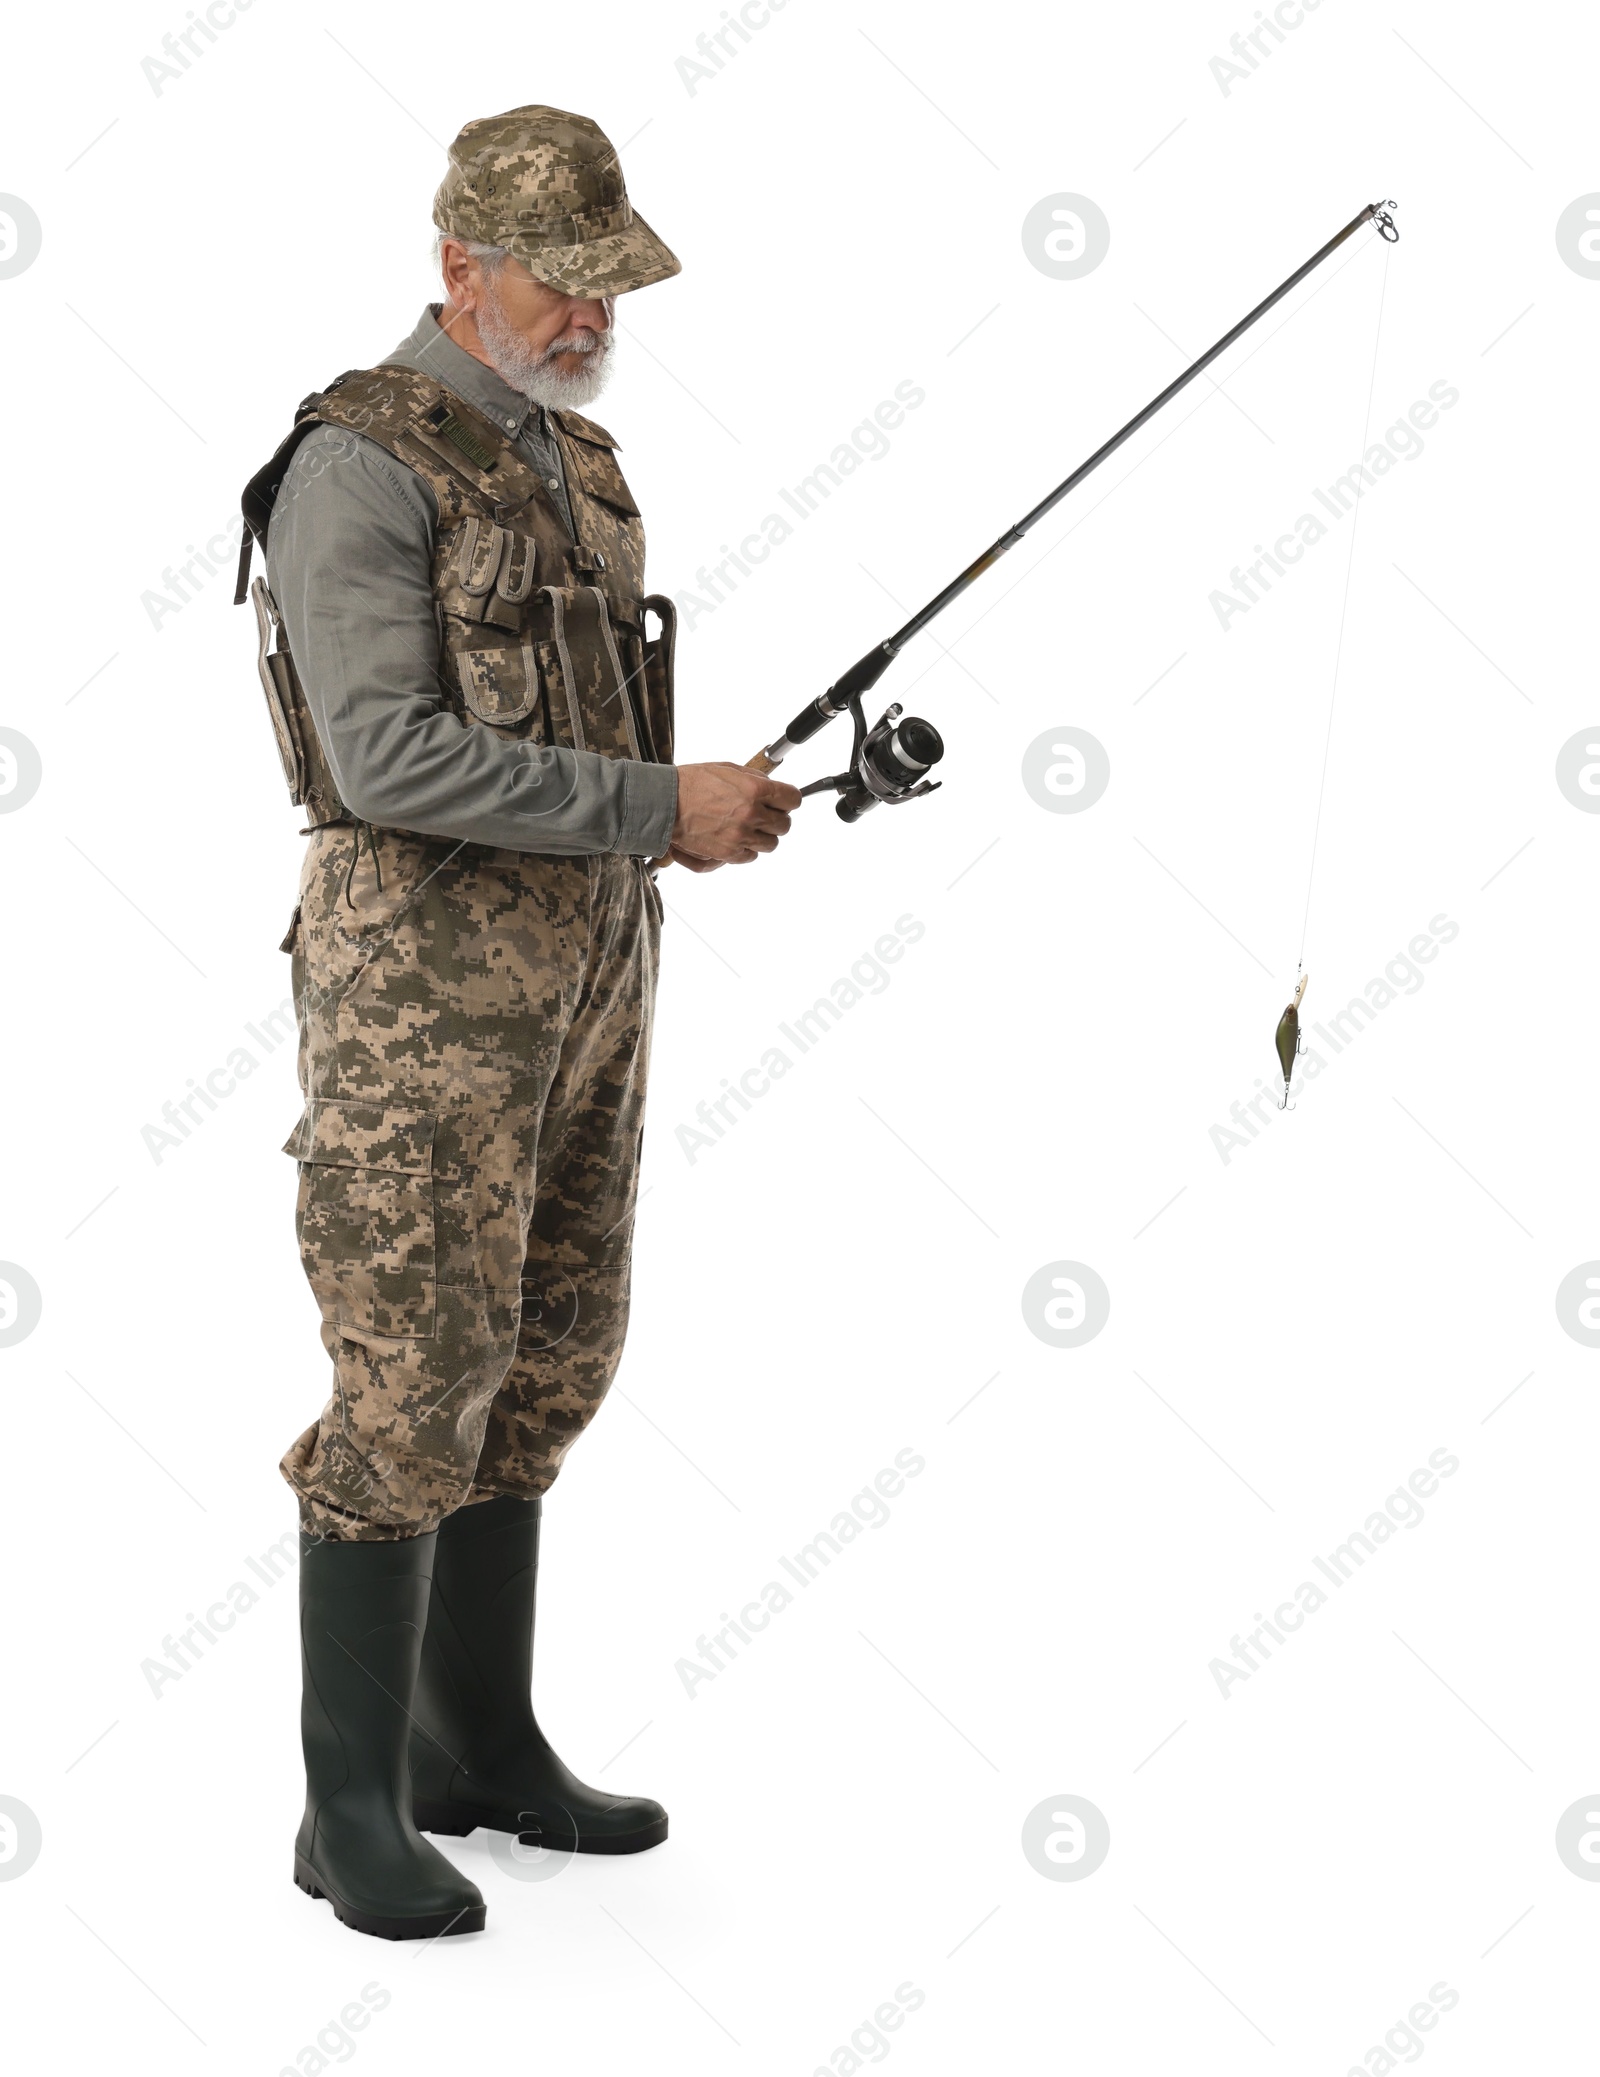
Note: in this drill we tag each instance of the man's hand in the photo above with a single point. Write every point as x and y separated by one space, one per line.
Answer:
727 815
673 856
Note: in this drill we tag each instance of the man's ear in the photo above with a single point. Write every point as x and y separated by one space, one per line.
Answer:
456 269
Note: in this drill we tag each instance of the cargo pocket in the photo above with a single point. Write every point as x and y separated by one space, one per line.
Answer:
366 1215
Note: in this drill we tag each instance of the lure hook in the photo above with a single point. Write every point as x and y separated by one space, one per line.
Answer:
1287 1039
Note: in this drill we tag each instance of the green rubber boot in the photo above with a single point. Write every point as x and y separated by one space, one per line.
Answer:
478 1756
362 1611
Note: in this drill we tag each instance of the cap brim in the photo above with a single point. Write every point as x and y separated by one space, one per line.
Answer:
611 266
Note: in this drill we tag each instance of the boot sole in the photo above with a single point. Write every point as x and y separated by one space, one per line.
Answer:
470 1919
457 1820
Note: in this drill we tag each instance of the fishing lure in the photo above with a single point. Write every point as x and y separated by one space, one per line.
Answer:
1287 1038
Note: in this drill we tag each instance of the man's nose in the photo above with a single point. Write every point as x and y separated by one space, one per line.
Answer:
591 314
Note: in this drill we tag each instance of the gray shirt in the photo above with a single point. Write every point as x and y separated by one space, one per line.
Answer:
349 561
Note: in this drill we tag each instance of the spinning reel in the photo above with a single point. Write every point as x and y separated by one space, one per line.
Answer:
888 762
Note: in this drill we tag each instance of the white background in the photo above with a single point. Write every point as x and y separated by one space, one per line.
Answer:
1292 1331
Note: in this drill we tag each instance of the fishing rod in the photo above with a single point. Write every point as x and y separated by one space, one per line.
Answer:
890 761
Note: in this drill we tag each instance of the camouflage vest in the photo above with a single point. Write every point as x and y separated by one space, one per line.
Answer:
542 637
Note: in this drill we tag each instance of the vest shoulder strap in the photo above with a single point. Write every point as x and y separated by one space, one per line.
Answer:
261 492
453 447
429 428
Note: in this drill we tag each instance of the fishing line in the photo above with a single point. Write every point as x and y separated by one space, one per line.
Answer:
1344 609
890 763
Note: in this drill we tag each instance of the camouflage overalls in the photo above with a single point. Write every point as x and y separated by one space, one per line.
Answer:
474 1023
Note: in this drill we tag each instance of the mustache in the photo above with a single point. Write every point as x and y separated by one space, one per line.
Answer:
579 342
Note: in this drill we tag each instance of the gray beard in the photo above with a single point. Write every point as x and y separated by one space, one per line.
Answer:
532 373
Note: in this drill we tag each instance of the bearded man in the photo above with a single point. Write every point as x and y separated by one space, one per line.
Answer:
473 699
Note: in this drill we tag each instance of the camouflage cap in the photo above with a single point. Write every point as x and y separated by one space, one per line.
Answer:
547 185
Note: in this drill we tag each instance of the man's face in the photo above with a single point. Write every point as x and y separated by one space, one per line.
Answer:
553 348
548 321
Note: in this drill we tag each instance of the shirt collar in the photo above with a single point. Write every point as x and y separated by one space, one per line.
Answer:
433 352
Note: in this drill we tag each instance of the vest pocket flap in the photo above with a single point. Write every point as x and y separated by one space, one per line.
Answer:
478 555
597 472
498 685
582 428
364 1135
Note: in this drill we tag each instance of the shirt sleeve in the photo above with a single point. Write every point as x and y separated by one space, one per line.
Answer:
349 558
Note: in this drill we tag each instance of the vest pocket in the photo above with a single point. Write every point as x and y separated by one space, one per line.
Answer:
305 765
272 664
478 555
500 686
589 692
365 1216
485 572
599 475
